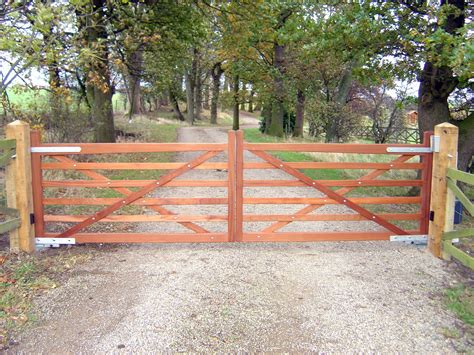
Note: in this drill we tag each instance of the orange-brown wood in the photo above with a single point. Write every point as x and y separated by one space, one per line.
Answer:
128 166
330 217
354 183
329 201
337 165
139 218
330 147
330 193
231 186
37 178
316 236
145 201
138 194
342 191
124 191
113 148
239 191
145 237
132 183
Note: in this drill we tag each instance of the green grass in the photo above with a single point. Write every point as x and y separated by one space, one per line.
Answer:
253 135
460 300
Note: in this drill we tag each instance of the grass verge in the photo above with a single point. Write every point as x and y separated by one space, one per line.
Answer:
460 300
22 277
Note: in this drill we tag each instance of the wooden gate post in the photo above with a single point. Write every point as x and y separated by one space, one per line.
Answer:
442 199
19 187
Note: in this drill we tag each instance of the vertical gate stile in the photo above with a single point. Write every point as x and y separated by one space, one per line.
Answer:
231 186
37 184
239 186
425 191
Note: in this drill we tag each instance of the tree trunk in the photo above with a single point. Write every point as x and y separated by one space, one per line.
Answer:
252 94
206 90
135 65
216 74
102 113
465 147
175 104
332 132
189 97
278 109
198 89
299 121
267 115
235 118
243 97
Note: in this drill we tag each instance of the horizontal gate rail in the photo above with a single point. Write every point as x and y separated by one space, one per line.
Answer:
114 148
133 183
145 237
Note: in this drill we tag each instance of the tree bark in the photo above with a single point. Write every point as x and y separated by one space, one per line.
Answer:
242 96
332 134
135 67
267 115
216 74
198 89
206 91
175 104
252 94
278 108
299 121
235 118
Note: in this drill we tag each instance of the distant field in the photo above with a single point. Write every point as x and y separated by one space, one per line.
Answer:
30 100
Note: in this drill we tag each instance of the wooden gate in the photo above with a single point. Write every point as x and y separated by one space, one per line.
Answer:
237 161
134 192
334 192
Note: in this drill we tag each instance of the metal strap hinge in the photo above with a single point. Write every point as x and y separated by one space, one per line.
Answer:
434 147
55 149
416 239
54 242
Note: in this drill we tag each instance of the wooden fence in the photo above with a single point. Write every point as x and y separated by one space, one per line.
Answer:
396 134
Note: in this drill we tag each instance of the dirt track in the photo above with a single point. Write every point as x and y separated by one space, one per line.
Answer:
365 296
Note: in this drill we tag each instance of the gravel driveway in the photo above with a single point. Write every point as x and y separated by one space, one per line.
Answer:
351 296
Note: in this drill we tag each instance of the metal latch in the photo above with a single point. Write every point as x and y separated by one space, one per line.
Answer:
54 242
415 239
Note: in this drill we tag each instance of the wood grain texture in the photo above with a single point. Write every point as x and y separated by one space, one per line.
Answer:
145 237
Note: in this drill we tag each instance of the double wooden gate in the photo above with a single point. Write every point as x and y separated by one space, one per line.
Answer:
237 161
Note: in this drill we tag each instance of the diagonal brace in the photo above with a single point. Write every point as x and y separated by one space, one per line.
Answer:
342 191
125 191
328 192
138 194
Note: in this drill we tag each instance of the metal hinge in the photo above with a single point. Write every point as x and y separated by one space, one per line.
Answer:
434 147
54 242
431 216
55 149
416 239
32 218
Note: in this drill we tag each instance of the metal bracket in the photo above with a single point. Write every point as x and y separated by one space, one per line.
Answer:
55 149
54 242
416 239
434 147
32 218
434 144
